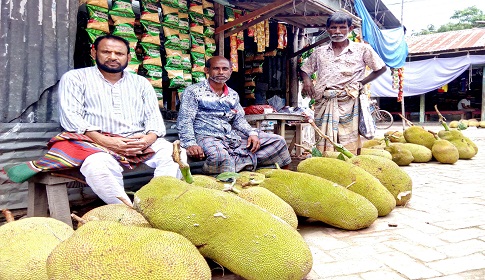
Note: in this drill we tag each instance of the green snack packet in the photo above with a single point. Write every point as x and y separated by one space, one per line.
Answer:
198 77
176 78
198 58
187 79
170 15
152 69
172 39
150 6
124 7
93 34
210 46
198 44
184 41
184 21
173 59
185 62
151 28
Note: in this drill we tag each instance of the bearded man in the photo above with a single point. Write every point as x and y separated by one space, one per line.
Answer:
116 116
212 126
341 74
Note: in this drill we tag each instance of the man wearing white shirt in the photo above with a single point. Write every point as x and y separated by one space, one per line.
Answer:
117 110
464 106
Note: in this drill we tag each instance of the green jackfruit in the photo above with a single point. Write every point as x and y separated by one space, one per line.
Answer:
400 156
420 153
110 250
418 135
445 152
465 149
453 124
320 199
393 177
376 152
117 213
256 195
354 178
26 244
395 136
372 143
235 233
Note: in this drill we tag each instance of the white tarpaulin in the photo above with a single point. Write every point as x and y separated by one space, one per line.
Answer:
425 75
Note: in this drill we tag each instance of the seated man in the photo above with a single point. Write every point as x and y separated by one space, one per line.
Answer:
464 106
211 125
118 112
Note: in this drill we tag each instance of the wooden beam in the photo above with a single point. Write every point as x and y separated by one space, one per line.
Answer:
317 43
268 8
219 20
258 20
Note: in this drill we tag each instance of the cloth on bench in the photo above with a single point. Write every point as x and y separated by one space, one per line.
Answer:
68 150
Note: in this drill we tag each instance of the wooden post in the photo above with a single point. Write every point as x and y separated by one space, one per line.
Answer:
421 107
293 67
219 20
482 115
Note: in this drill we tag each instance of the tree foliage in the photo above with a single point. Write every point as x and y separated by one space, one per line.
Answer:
462 19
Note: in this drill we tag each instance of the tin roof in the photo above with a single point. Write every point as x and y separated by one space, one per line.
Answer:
447 43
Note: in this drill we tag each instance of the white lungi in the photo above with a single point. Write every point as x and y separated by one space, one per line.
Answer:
103 172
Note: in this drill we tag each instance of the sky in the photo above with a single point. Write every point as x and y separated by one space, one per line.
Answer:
418 14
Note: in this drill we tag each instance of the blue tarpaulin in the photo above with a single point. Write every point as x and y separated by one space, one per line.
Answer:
388 43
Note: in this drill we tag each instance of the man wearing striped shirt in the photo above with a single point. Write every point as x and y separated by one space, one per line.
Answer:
106 100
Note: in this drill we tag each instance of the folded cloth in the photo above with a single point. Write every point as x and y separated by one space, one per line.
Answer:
68 150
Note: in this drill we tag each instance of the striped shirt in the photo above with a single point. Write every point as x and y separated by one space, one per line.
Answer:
88 102
204 113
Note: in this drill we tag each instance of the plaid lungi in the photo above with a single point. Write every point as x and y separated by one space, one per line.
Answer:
231 155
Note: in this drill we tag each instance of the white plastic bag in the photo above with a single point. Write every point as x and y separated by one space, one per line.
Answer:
367 125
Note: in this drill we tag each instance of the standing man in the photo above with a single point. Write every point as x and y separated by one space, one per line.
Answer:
211 125
118 111
340 66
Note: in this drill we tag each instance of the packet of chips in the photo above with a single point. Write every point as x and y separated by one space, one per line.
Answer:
150 6
170 15
182 4
208 8
123 7
210 45
176 78
198 76
184 21
198 44
99 3
173 59
198 59
184 40
123 26
98 18
196 23
187 79
185 62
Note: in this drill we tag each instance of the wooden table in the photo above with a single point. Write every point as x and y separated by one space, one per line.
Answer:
280 118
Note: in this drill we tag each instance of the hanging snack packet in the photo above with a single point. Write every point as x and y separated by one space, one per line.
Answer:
208 9
182 5
151 50
282 36
173 3
198 76
170 16
198 61
151 17
157 85
185 61
198 44
187 79
123 26
209 31
240 40
149 6
210 46
173 59
208 22
196 23
172 39
133 42
99 3
123 7
176 78
151 28
196 8
184 21
94 34
184 40
133 66
98 18
233 56
148 38
153 66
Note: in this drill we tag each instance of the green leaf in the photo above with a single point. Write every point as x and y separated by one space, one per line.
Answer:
341 157
228 176
316 152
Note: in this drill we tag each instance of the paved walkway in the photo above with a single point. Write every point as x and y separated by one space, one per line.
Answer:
440 233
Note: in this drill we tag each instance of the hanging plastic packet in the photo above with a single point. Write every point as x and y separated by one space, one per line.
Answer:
196 23
151 28
198 76
123 26
123 7
157 85
187 79
151 50
184 40
209 31
182 5
185 61
233 56
196 8
282 36
170 16
93 34
198 44
210 45
240 40
153 70
208 22
99 3
173 59
184 21
133 42
98 18
208 8
133 66
173 3
149 6
152 39
172 39
176 78
198 61
149 17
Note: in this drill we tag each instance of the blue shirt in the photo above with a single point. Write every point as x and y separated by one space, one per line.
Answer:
204 113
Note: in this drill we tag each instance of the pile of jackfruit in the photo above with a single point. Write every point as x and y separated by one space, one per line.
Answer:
416 144
244 222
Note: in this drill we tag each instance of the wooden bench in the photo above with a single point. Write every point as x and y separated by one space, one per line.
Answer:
475 113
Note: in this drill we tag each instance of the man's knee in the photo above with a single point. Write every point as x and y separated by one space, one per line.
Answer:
100 162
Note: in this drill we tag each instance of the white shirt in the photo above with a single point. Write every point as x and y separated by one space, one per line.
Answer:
88 102
463 101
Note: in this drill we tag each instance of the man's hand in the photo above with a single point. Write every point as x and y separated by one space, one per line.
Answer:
253 142
131 146
308 88
196 152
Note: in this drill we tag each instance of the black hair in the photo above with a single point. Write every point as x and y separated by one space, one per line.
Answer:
112 37
339 17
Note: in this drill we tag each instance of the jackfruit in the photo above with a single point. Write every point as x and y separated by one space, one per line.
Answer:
372 143
117 213
400 156
235 233
320 199
110 250
481 123
418 135
256 195
445 152
393 177
26 244
420 153
354 178
395 136
473 123
465 149
376 152
454 124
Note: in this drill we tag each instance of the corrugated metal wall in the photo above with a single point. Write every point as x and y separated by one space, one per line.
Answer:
37 40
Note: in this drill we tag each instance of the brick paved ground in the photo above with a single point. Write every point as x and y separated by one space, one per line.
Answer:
440 233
